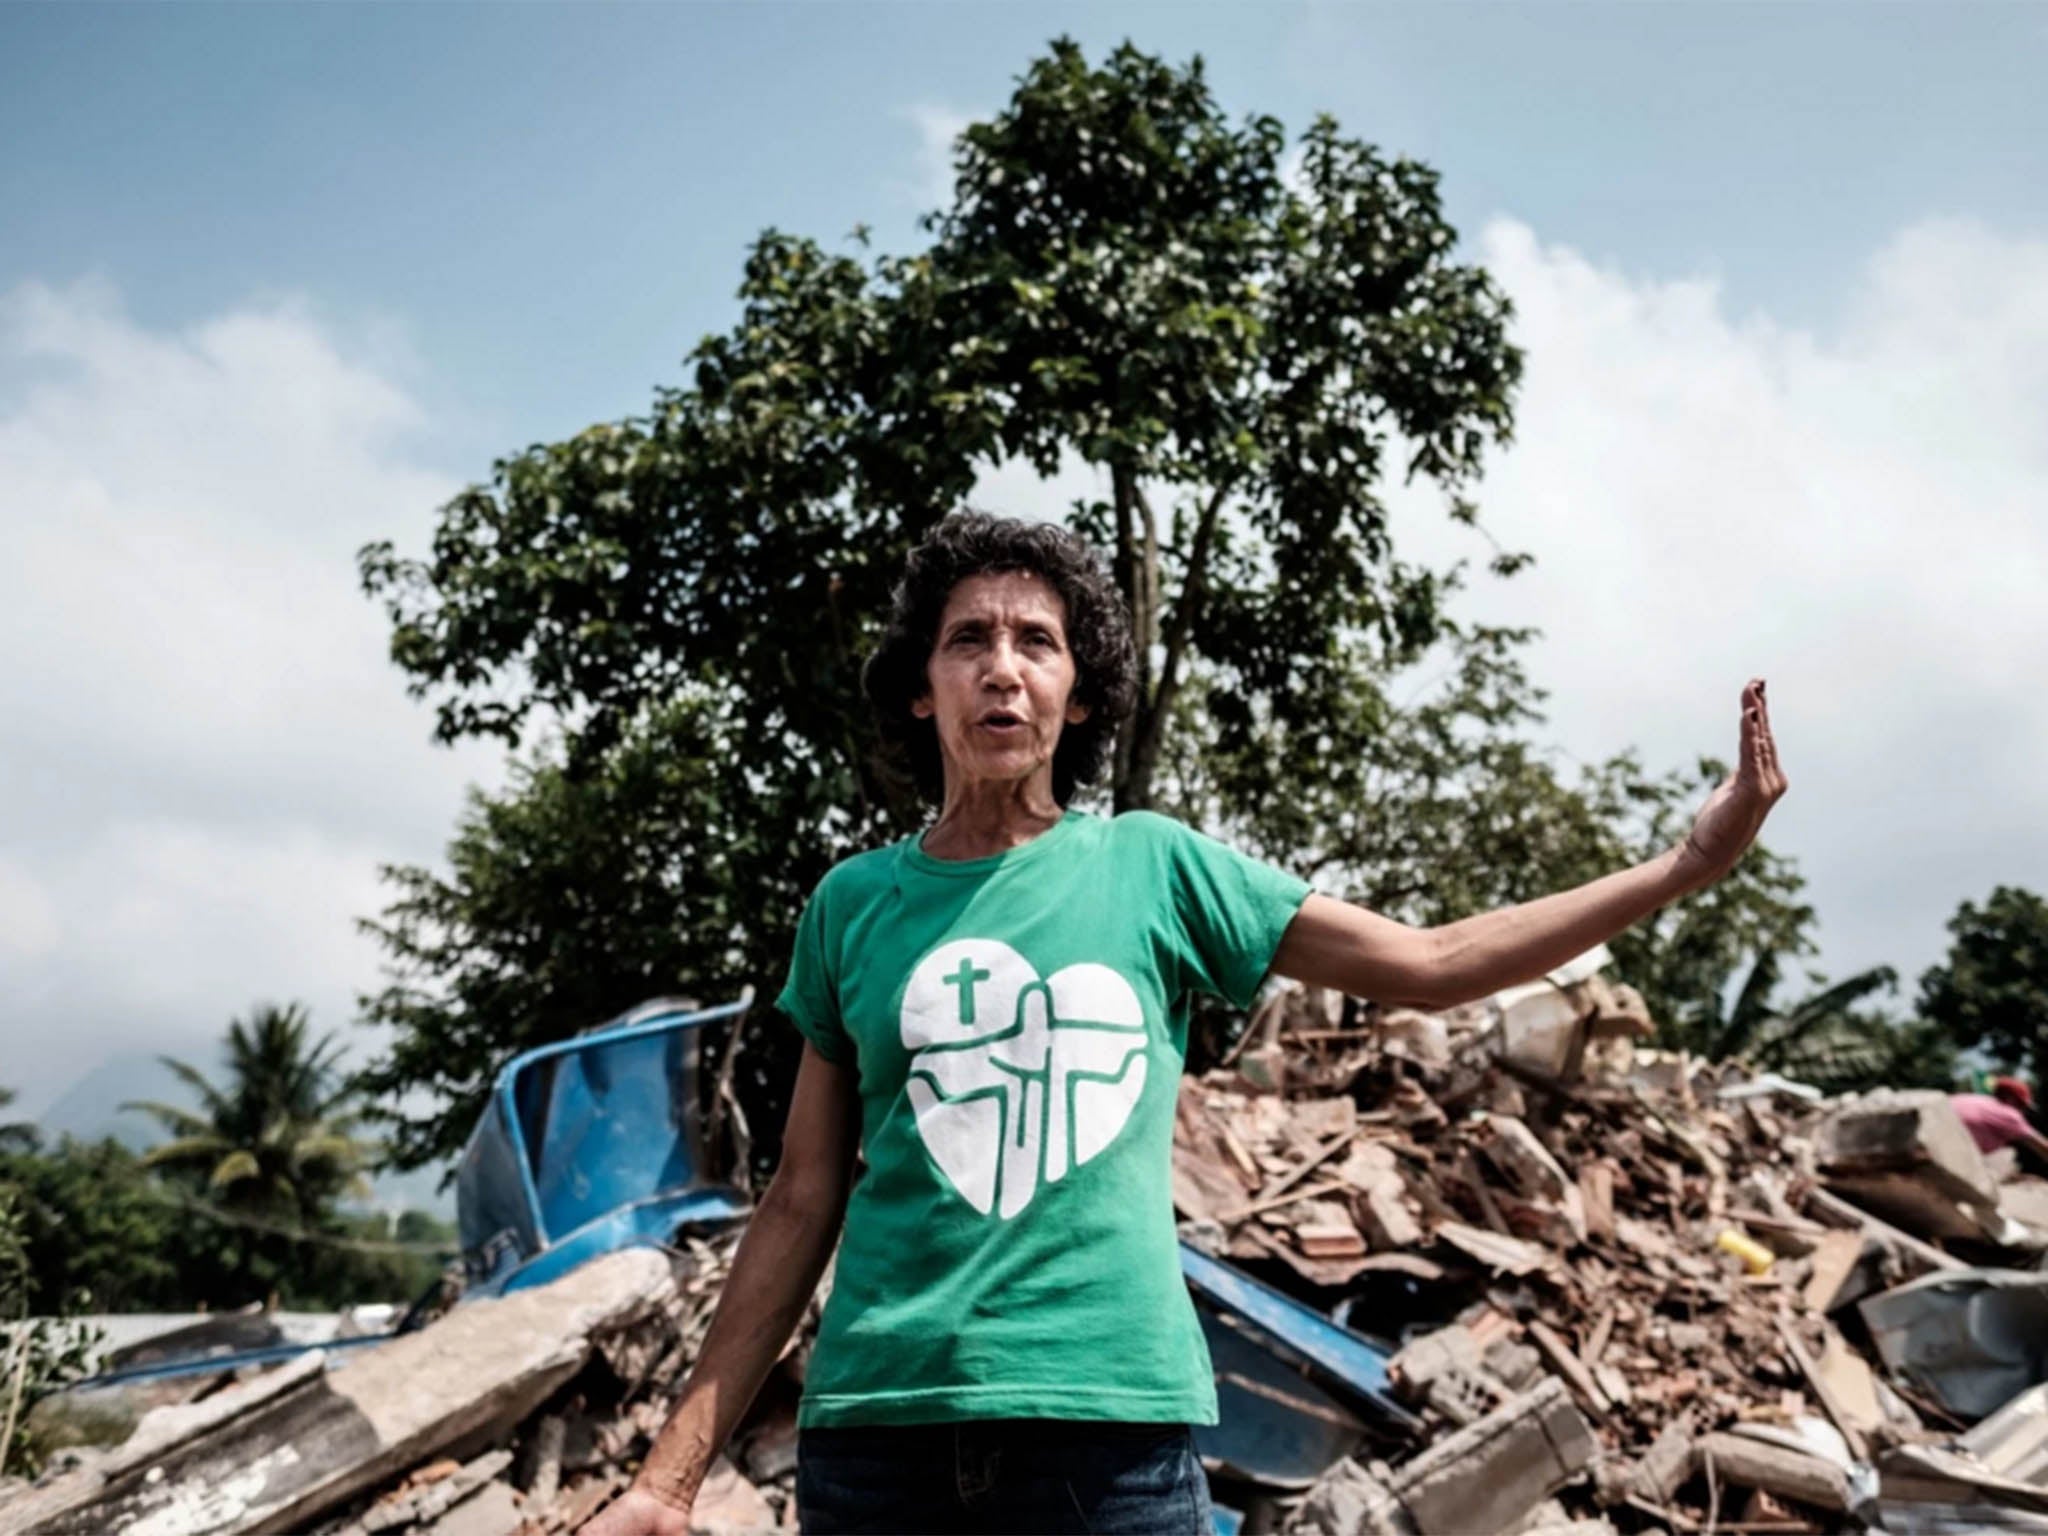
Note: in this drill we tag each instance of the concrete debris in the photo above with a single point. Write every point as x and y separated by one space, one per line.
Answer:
2024 1199
431 1497
367 1443
497 1510
1617 1290
1488 1475
1673 1252
1908 1157
729 1505
1907 1254
1791 1474
1351 1500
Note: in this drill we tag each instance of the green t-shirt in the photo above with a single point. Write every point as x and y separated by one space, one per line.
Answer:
1019 1025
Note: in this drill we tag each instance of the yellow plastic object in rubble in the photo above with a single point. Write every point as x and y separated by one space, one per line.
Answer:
1753 1254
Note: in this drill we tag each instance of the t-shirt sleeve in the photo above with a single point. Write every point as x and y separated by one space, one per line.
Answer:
2007 1123
810 998
1233 910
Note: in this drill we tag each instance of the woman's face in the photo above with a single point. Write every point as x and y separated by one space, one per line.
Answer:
1000 680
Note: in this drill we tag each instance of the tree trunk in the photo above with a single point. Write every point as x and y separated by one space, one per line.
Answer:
1134 553
1138 747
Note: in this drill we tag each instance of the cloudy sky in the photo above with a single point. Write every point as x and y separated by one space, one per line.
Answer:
275 281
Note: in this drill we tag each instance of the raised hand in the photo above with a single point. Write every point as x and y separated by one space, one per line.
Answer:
1733 815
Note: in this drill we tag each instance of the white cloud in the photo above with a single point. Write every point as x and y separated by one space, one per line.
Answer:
1856 516
1014 488
28 918
937 127
207 751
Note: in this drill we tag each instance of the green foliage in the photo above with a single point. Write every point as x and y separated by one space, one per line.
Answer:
94 1225
239 1207
276 1141
17 1135
38 1353
1771 1034
1830 1037
1866 1049
1124 277
572 896
378 1270
101 1230
1991 994
679 603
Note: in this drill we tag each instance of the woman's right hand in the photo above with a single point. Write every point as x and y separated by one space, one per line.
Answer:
636 1512
787 1244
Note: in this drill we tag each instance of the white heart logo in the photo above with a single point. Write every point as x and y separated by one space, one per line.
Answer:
1015 1080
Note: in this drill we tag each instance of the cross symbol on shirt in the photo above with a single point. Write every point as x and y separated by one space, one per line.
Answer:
964 979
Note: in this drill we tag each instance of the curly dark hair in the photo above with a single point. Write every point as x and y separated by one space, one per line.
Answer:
968 544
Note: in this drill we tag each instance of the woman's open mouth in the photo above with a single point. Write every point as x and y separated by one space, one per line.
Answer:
1002 723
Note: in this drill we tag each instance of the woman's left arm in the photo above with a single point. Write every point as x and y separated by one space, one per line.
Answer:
1358 952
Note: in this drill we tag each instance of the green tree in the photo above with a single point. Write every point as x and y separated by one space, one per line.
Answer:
277 1140
1864 1049
1991 993
94 1224
1124 277
96 1227
676 605
1771 1033
572 896
1830 1037
40 1350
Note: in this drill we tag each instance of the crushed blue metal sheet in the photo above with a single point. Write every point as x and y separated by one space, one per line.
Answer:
588 1146
1972 1339
1290 1383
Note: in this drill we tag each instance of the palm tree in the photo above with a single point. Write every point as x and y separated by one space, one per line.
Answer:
1756 1027
276 1140
1824 1038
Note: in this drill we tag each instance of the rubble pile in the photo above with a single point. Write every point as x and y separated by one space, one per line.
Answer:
1599 1289
519 1415
1672 1291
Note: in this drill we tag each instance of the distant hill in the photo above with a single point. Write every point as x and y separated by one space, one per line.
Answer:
90 1110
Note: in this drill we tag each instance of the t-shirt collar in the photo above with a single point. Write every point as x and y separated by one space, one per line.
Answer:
915 856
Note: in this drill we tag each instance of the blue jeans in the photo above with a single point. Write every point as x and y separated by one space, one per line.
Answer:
1003 1475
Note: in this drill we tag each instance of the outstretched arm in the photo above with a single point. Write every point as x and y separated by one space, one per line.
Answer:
787 1243
1356 951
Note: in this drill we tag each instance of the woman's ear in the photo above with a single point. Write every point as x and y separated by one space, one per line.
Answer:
1077 711
921 706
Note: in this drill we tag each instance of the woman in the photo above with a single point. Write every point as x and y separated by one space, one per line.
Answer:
996 1014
